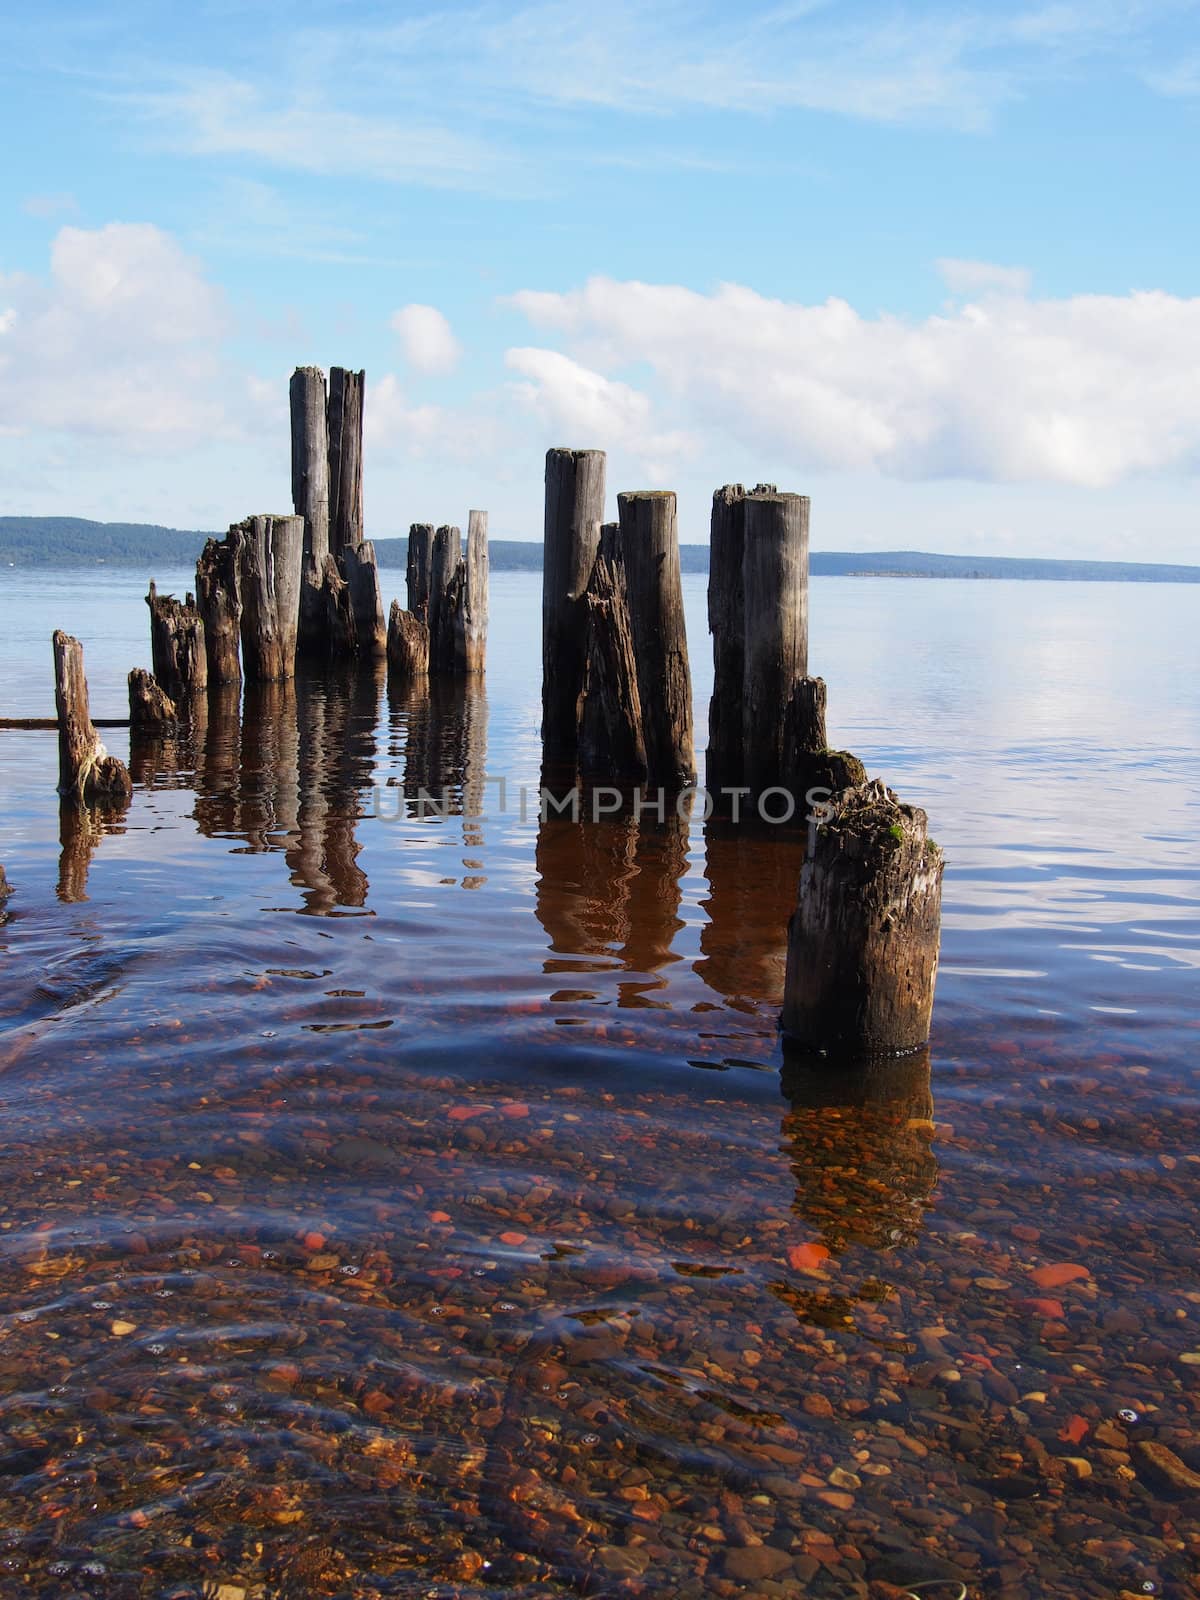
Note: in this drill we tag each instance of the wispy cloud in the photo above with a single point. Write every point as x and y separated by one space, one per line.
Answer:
46 206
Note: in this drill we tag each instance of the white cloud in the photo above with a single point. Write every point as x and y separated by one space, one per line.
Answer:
1083 391
49 205
982 277
119 340
427 339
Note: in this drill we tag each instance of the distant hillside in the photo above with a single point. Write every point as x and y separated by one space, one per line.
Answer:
74 542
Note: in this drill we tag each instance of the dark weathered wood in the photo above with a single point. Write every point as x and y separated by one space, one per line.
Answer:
269 574
419 571
407 643
219 602
863 940
338 626
611 738
727 624
445 597
87 774
310 495
471 618
649 544
358 567
150 709
775 597
345 458
5 887
177 649
574 513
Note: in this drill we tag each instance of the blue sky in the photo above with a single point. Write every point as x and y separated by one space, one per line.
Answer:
934 265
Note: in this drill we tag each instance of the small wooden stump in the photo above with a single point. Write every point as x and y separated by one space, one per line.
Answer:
345 420
358 567
649 545
5 887
407 643
150 710
219 602
574 513
863 940
419 571
310 495
775 599
471 619
177 649
269 575
611 738
87 774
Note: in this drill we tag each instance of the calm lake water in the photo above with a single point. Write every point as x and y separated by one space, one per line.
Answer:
421 1206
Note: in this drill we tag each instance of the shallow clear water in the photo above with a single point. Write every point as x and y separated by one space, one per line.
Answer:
401 1205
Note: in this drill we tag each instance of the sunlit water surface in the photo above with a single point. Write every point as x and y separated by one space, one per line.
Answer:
421 1206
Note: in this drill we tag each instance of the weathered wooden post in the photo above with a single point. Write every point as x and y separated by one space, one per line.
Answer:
775 597
649 543
419 569
863 940
471 616
727 624
443 572
345 414
574 513
358 567
87 774
271 552
407 643
611 732
177 647
310 496
150 710
219 602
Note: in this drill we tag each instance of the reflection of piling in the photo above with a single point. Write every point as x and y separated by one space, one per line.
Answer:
863 940
752 876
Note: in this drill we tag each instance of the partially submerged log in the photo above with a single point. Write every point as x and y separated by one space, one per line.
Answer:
345 421
775 598
649 545
151 711
219 602
407 643
269 574
358 567
177 649
87 774
611 736
574 513
863 940
310 494
471 619
419 571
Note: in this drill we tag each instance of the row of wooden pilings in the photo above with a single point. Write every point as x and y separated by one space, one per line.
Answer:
616 685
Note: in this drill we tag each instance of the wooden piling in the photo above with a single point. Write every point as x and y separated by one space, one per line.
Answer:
574 513
419 570
358 567
649 545
87 774
150 710
177 648
310 495
775 599
407 643
863 940
219 602
444 586
345 422
611 734
269 574
727 625
471 617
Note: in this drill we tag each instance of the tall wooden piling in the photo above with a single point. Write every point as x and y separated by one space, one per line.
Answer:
574 513
611 732
775 598
366 604
727 625
863 940
219 602
310 494
271 552
444 584
649 545
177 647
87 774
345 421
471 619
419 570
